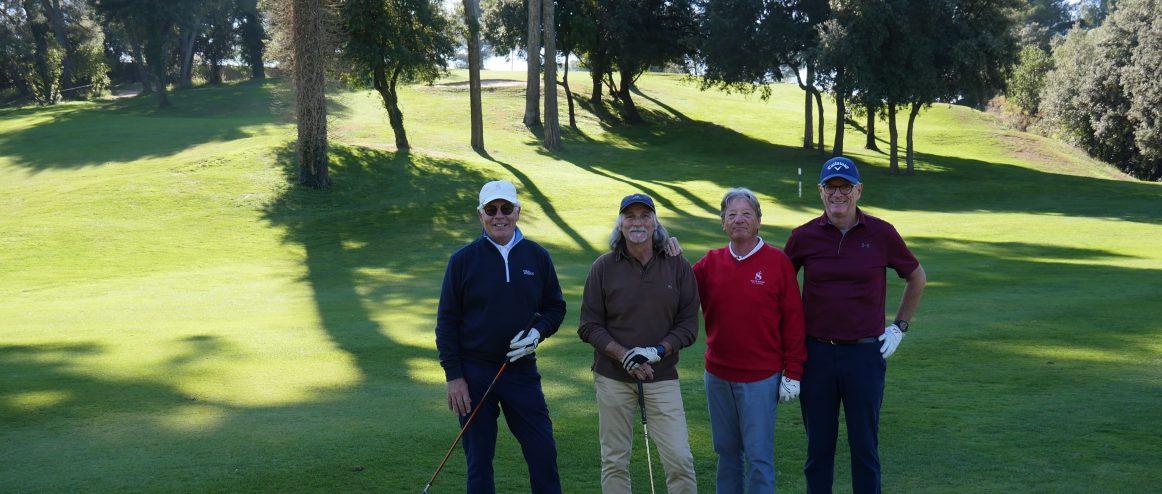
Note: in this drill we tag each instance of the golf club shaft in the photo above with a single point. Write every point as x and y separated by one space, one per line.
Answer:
536 315
462 429
641 401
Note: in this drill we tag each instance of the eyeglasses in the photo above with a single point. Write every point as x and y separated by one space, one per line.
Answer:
843 189
491 209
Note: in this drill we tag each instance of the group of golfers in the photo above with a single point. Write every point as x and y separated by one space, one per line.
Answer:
767 341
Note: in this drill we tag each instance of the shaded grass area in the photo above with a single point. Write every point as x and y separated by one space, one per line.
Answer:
181 319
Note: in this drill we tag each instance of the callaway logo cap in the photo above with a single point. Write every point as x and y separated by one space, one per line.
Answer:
638 198
498 189
839 167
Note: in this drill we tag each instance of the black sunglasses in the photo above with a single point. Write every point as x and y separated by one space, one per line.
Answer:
491 209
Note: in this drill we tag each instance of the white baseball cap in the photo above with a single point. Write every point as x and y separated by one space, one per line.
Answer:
498 189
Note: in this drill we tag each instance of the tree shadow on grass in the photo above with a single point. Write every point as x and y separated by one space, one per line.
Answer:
953 184
1026 358
120 131
532 188
374 254
389 222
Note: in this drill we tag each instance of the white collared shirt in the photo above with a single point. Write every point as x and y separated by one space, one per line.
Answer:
758 245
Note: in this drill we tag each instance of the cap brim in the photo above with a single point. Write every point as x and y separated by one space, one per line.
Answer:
838 175
514 202
643 203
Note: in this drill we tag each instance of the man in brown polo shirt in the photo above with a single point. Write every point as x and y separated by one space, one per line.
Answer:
639 308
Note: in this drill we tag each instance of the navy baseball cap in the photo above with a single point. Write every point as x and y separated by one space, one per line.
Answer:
839 167
638 198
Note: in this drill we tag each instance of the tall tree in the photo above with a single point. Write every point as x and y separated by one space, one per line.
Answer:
152 23
47 55
472 19
533 56
252 37
218 38
552 126
747 44
645 33
389 41
311 102
1103 93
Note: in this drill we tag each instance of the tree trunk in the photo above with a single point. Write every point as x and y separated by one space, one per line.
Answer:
840 112
155 60
809 121
870 143
911 121
472 13
532 80
893 153
47 89
598 66
142 71
386 90
552 126
631 114
186 75
307 28
215 72
253 44
819 107
568 93
56 21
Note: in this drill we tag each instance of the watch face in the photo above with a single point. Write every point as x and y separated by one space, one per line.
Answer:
903 325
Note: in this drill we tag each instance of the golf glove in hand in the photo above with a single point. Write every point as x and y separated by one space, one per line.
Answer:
891 338
639 355
788 390
523 344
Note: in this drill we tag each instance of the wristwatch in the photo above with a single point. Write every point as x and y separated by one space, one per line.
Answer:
902 324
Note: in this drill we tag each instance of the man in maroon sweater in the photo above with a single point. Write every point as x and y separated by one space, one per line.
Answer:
754 345
845 255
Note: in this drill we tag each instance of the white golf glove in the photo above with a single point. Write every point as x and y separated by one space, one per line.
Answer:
891 338
637 356
523 344
788 390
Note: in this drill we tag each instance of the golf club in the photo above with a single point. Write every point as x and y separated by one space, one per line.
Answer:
536 315
641 401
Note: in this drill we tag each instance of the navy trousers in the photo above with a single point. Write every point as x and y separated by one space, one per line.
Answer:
518 393
851 375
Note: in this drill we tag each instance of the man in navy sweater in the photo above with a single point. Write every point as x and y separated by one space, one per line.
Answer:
492 287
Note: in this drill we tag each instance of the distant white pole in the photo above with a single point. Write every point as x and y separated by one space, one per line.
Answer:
800 183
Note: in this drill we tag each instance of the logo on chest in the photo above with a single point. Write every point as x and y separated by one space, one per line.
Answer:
527 272
758 279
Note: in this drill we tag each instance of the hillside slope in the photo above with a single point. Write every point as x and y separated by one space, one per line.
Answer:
177 317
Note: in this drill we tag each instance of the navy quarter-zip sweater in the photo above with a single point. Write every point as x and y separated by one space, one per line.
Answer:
484 303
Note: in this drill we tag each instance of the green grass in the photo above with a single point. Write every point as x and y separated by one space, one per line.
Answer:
177 317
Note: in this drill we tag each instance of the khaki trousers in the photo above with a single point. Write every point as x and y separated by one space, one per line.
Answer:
618 413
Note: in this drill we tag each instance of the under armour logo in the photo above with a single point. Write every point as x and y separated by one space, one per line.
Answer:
865 245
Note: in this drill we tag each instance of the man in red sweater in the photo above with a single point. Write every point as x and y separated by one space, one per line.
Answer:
754 345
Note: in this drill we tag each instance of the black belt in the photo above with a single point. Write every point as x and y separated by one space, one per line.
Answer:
829 341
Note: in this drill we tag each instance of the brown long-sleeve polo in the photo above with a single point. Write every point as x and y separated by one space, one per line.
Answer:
639 305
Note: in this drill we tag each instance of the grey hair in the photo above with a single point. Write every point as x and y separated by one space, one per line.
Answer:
617 238
744 193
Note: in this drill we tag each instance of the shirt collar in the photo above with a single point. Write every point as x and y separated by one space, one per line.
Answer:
622 253
516 237
859 219
758 245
